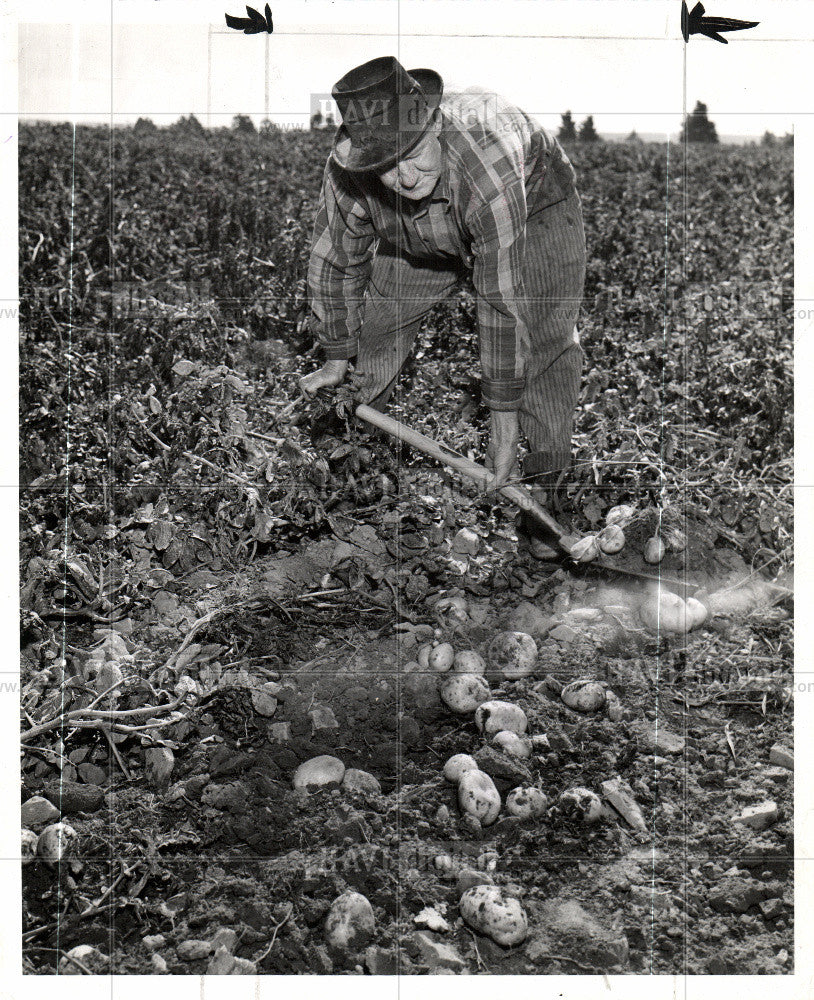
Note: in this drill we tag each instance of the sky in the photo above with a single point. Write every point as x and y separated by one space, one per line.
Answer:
622 61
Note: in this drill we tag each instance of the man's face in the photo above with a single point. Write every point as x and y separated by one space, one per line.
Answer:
417 174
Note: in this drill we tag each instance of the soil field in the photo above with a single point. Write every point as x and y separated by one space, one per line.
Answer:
250 580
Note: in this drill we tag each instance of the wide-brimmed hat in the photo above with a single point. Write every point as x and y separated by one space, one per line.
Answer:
385 110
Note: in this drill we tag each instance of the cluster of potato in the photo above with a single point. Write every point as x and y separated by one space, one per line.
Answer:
611 539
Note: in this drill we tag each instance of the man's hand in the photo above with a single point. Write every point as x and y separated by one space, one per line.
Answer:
331 374
501 455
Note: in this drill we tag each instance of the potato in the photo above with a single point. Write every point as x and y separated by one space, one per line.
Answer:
478 796
468 661
457 764
611 539
440 657
654 550
697 613
29 845
512 744
54 843
423 655
463 693
466 542
318 772
350 921
495 716
527 803
584 695
664 611
488 910
586 549
513 654
620 515
582 804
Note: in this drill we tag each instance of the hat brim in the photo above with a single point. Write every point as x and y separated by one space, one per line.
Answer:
382 157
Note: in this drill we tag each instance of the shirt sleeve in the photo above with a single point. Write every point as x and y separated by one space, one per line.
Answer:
340 263
498 230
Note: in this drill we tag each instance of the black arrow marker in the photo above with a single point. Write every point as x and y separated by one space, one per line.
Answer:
253 24
694 23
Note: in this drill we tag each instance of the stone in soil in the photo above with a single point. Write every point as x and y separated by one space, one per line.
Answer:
279 732
781 756
73 797
565 928
89 956
224 937
192 950
38 810
772 908
620 795
502 767
736 895
661 741
430 919
91 774
158 766
654 899
381 962
527 617
435 953
759 817
322 717
468 878
221 963
243 967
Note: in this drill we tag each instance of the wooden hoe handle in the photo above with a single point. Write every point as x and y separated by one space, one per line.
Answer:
477 473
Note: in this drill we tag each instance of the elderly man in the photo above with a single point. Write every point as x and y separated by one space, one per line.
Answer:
416 188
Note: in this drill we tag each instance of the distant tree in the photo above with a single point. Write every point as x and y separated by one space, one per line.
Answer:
189 125
244 124
788 139
317 121
568 131
267 127
634 138
769 139
697 126
145 126
329 121
587 131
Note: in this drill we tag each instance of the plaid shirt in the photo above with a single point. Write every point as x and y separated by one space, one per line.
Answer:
500 168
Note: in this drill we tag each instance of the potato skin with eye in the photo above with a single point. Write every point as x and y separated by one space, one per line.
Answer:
611 539
513 654
478 796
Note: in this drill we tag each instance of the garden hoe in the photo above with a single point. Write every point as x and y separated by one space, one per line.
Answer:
518 495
